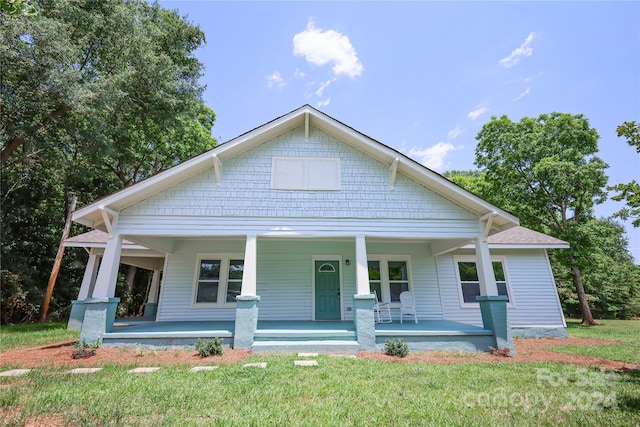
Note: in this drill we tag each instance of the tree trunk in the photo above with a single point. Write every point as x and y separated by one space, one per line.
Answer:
131 275
57 262
587 317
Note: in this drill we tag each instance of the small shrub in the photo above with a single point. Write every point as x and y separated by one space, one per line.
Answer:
206 348
500 351
83 351
396 348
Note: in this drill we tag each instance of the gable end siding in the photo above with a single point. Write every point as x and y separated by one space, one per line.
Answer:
245 191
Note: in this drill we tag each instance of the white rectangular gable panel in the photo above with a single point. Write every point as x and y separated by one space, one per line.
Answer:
305 173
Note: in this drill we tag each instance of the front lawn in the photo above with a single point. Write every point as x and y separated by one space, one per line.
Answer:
339 391
626 331
31 335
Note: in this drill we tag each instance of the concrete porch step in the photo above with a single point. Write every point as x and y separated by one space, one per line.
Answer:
303 335
315 346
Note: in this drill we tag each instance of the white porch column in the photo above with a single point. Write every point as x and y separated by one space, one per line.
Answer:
153 289
486 275
89 278
108 274
249 275
362 268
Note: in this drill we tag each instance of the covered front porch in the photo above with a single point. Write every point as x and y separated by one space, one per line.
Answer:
294 336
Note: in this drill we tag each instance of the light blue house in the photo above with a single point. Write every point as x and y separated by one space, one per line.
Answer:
276 240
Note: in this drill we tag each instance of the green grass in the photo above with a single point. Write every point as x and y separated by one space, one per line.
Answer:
337 392
340 391
21 336
627 331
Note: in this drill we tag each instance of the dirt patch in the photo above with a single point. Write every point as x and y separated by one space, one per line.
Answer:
528 350
59 355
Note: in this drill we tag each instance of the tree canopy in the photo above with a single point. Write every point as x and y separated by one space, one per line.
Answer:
96 95
629 192
545 170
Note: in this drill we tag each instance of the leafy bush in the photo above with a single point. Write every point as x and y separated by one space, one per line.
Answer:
206 348
500 351
84 351
396 348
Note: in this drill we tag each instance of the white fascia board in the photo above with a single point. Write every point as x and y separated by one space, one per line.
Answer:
90 215
522 246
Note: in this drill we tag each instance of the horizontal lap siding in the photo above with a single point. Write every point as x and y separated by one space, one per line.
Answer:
424 275
533 290
285 277
179 281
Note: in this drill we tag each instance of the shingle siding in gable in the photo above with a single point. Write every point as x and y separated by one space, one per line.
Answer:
246 179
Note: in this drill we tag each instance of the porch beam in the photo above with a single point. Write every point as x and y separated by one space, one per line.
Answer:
249 275
108 274
486 276
445 246
362 268
393 171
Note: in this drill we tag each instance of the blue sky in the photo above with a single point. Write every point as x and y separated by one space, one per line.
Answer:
423 77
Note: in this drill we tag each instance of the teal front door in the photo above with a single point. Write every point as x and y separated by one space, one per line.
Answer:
327 292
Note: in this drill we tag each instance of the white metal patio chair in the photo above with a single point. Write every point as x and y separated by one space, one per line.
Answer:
381 310
408 305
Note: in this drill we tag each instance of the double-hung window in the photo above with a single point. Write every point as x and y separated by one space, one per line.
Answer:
218 279
389 277
469 282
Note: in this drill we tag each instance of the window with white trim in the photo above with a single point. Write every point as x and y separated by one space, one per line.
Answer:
389 277
218 279
469 282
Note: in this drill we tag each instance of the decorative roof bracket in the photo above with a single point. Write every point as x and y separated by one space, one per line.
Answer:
306 127
109 216
393 171
217 168
489 221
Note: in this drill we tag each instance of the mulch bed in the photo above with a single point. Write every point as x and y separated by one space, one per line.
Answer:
528 350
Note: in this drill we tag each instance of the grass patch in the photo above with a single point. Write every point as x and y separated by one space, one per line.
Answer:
31 335
337 392
627 331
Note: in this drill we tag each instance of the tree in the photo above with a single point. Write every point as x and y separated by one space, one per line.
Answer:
107 72
470 180
611 280
16 7
630 192
96 95
546 170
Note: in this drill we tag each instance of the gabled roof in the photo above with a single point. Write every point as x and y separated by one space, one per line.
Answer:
92 215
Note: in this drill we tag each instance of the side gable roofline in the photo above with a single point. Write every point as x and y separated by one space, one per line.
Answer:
90 215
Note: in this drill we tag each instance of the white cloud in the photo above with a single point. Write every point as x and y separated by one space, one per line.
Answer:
275 80
523 94
477 113
323 103
323 86
524 50
454 133
434 156
323 47
298 74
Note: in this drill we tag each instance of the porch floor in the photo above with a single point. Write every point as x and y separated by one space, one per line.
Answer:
141 327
